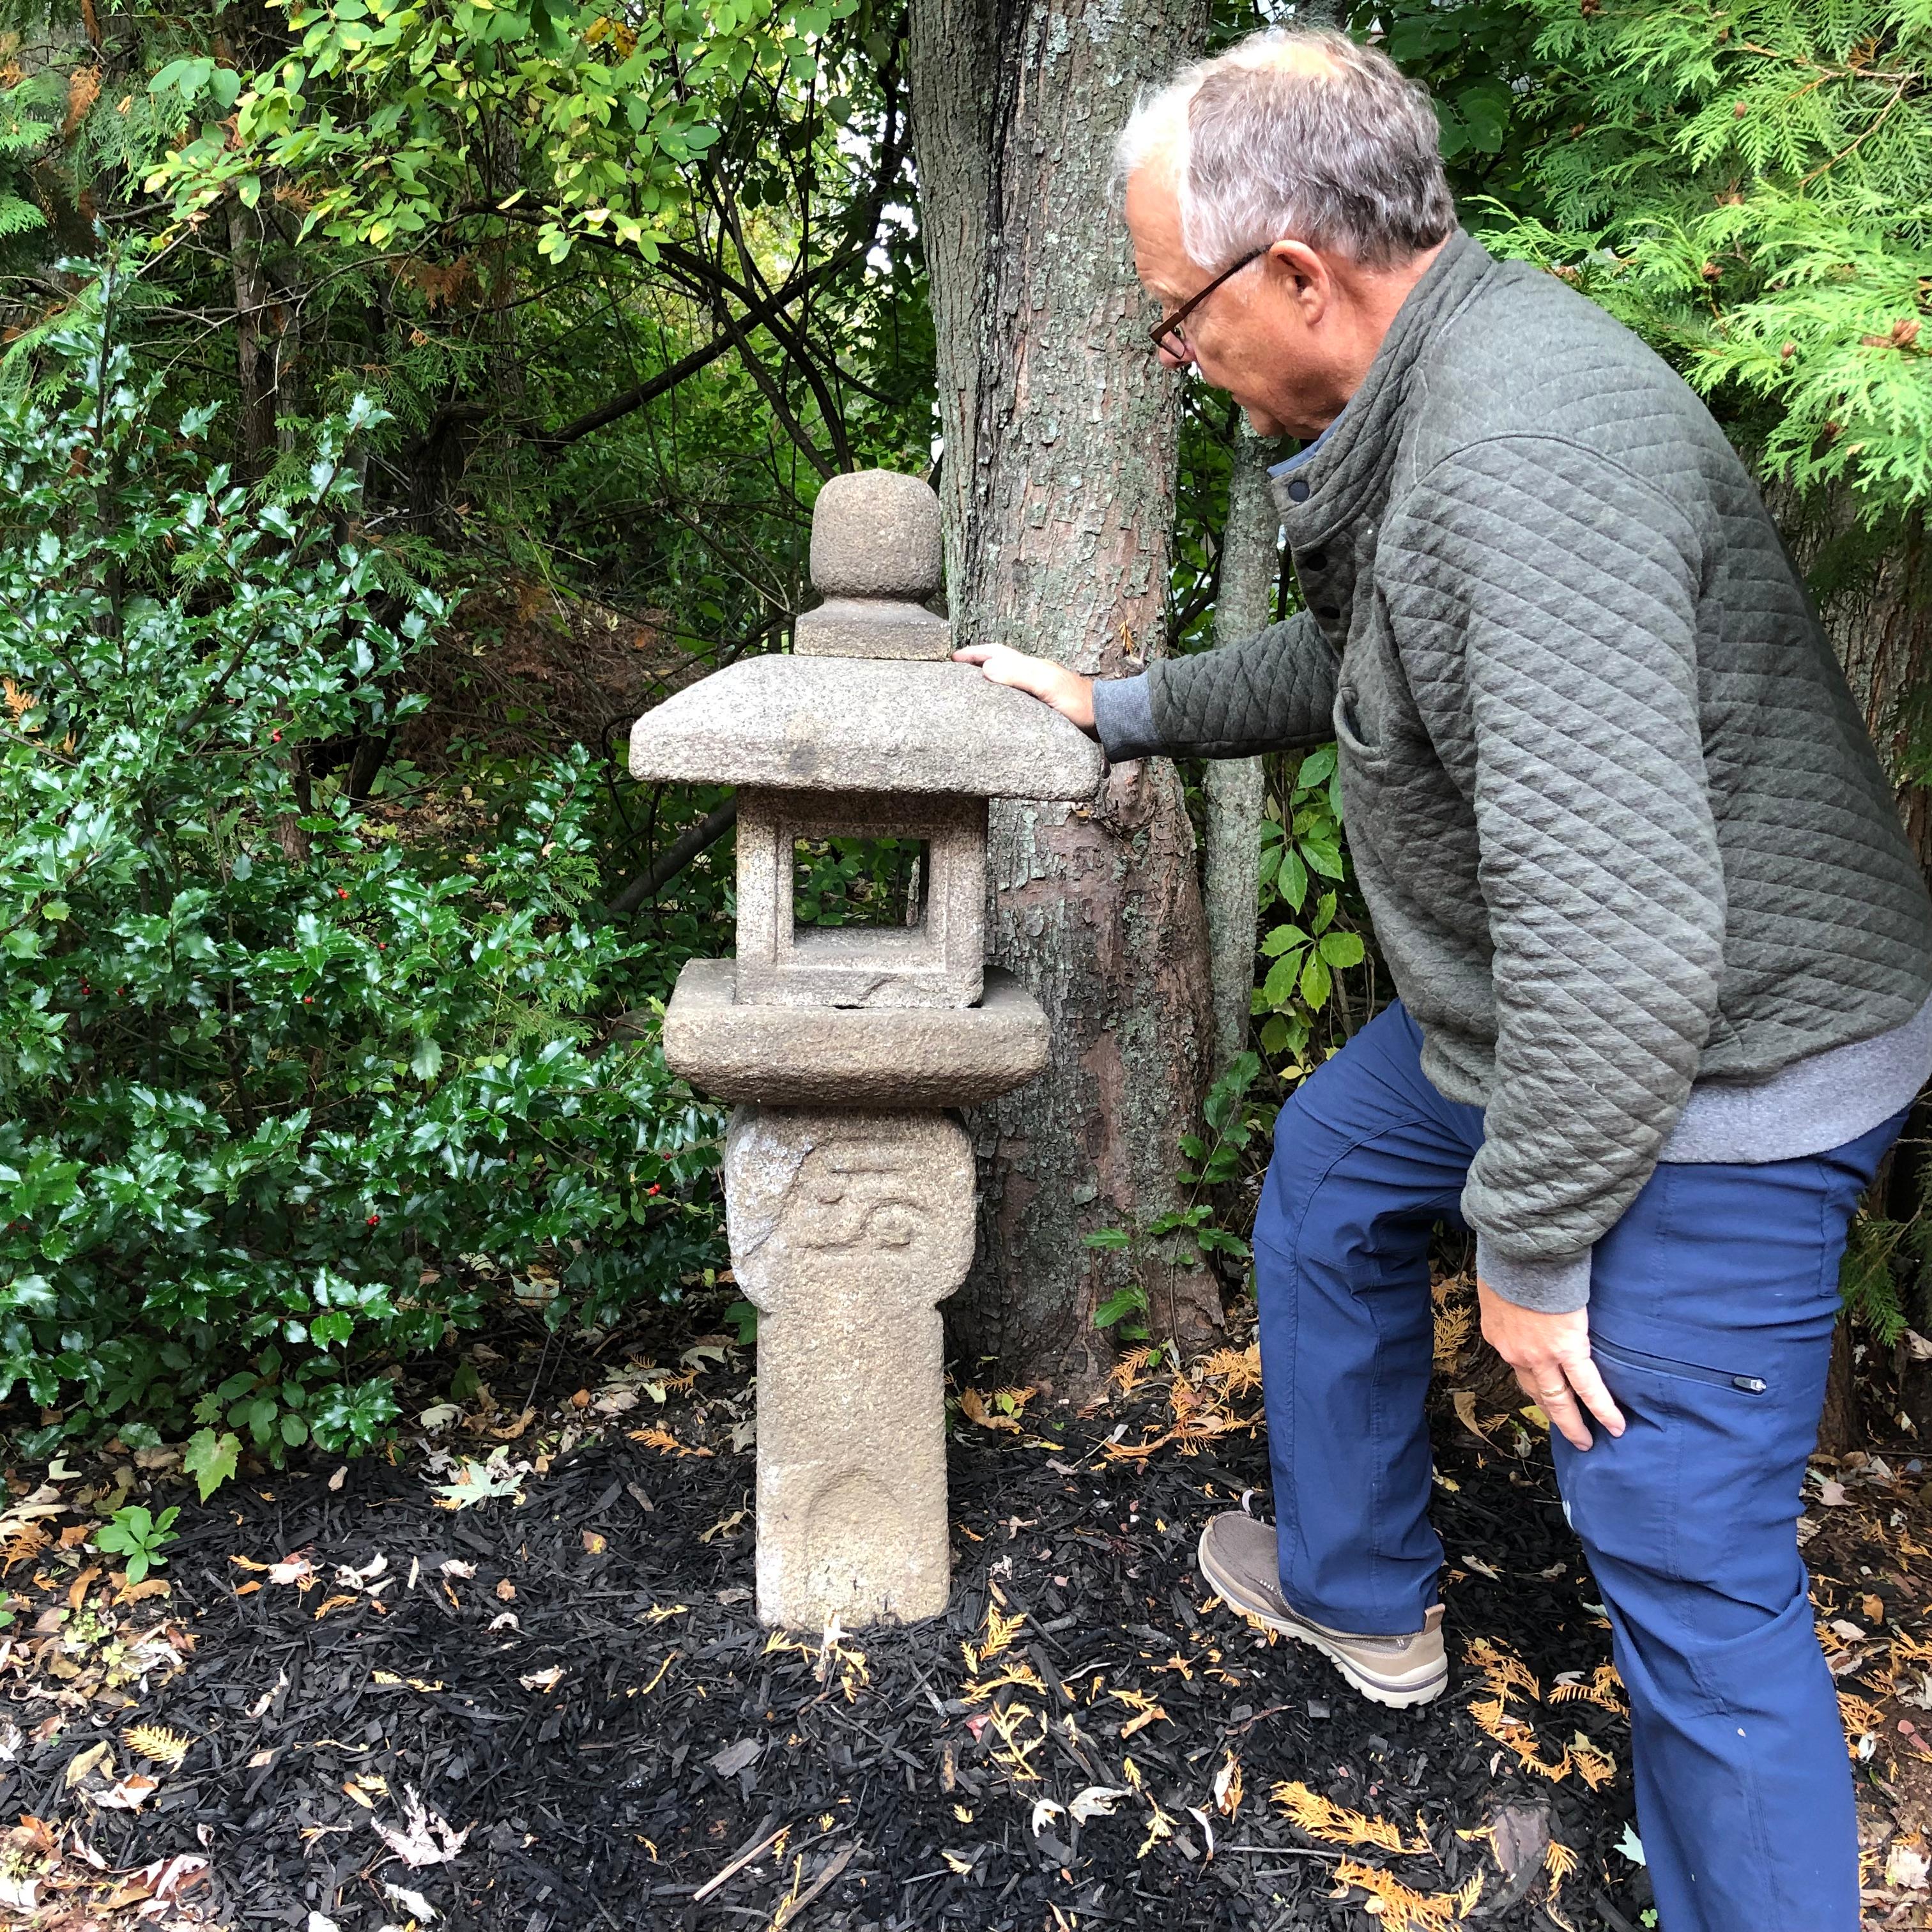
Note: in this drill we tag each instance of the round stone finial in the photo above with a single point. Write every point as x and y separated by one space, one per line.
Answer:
875 533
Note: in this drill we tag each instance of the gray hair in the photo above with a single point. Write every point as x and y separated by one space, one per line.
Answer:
1305 137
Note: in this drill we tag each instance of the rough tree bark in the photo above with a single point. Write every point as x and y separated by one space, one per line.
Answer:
1231 870
1057 487
254 346
1876 603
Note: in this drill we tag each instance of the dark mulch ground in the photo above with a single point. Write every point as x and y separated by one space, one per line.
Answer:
570 1675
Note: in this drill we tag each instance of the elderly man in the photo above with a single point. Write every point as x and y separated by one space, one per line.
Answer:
1664 954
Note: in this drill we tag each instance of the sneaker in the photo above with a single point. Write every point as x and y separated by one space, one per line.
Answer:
1237 1558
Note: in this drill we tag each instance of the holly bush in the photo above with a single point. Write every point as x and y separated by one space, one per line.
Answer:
285 1075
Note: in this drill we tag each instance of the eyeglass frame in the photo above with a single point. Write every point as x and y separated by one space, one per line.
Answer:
1168 324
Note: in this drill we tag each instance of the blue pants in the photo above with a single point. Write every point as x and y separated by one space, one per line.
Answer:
1711 1307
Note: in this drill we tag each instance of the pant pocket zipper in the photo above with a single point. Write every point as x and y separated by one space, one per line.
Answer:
1666 1365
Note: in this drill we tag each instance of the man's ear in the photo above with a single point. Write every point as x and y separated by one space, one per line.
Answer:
1304 277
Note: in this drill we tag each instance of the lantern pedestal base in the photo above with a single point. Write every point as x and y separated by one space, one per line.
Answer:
848 1226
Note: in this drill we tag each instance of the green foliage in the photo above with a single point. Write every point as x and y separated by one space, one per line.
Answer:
212 1459
857 882
1211 1160
395 117
1751 190
139 1535
280 1068
26 127
1303 854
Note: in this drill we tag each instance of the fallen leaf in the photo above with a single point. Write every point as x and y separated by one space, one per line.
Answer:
130 1794
82 1762
1873 1608
1096 1800
546 1679
336 1481
482 1482
158 1742
427 1838
413 1903
1906 1866
594 1544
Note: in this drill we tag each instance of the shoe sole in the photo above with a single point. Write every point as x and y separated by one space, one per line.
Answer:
1397 1695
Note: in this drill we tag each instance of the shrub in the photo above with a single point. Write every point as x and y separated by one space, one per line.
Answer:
282 1073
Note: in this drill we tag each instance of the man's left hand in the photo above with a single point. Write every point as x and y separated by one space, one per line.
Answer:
1551 1356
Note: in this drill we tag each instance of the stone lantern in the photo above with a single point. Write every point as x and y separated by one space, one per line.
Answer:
849 1184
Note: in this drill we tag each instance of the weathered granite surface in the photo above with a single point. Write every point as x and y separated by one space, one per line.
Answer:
855 627
851 1057
938 961
862 724
847 1228
875 533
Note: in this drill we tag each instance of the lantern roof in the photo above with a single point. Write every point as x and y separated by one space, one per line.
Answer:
871 699
847 724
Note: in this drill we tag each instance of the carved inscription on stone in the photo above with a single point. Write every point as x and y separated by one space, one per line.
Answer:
847 1227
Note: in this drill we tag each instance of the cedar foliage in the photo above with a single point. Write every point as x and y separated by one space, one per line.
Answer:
1750 189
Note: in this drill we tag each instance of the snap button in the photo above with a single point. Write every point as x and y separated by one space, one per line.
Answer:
1297 491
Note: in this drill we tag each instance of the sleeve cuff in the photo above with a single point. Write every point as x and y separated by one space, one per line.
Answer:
1124 719
1556 1287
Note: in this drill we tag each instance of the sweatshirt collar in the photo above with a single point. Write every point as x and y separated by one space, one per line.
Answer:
1332 481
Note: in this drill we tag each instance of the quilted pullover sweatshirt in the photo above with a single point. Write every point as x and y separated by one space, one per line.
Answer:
1616 816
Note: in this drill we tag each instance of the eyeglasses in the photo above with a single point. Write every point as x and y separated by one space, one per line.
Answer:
1170 326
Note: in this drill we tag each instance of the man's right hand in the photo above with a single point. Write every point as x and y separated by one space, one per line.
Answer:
1066 691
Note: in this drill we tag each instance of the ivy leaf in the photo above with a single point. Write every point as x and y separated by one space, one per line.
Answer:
1278 941
211 1458
1292 880
1341 949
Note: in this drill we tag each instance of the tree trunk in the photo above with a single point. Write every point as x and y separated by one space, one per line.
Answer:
1874 593
1243 602
1057 487
254 346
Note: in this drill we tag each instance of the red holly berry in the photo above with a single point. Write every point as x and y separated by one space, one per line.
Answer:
653 1190
342 891
308 999
274 737
373 1219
